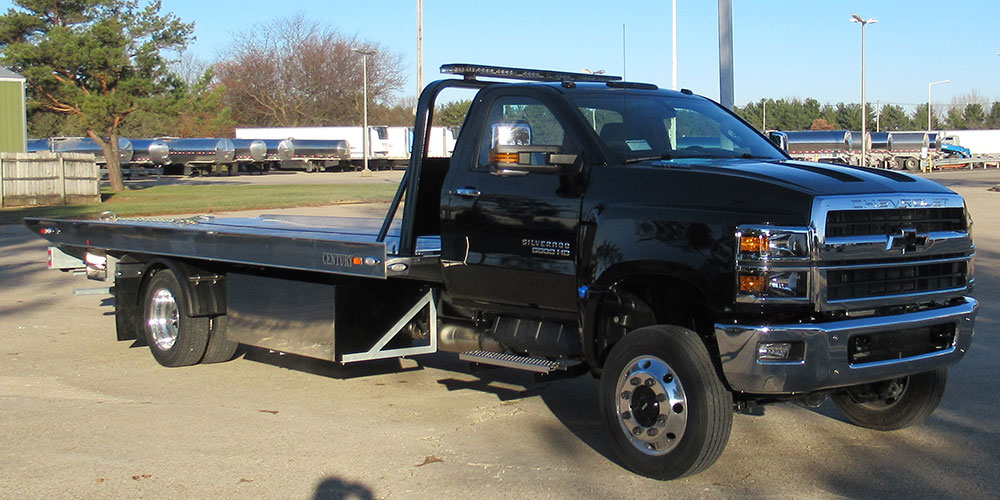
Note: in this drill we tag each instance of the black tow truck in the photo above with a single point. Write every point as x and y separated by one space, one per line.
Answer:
586 224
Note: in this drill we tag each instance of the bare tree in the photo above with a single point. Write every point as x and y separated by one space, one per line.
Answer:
189 68
294 72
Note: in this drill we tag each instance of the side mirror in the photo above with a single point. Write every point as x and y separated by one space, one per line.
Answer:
779 139
516 133
522 160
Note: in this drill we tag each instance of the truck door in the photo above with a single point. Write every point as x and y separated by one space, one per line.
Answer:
511 237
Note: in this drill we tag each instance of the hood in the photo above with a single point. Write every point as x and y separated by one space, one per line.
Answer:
816 179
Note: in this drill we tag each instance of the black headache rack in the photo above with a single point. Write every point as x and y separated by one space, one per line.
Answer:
410 184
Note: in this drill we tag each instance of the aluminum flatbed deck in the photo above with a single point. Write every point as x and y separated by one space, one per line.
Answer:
336 245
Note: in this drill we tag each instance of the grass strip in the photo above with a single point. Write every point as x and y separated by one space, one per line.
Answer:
208 198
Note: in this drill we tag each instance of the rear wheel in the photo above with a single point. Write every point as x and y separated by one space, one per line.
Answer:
667 412
910 164
174 338
219 348
893 404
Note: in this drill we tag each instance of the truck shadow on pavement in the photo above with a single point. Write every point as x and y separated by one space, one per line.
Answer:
572 401
322 367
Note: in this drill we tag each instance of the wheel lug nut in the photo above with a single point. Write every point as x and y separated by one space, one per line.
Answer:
662 419
627 415
650 382
627 395
652 432
635 381
637 431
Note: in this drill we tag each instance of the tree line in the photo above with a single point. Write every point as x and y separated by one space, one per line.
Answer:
809 114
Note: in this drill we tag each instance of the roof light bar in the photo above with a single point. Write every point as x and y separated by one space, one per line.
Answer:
471 71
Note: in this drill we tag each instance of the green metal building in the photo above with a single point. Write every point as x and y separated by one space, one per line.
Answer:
13 118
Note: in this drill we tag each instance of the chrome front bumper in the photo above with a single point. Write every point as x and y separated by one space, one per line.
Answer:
825 364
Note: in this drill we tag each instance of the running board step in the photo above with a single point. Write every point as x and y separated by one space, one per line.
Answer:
537 365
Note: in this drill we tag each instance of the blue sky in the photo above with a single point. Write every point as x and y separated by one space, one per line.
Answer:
783 48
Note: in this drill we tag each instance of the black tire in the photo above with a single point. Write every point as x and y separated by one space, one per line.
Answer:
174 338
666 364
220 348
911 164
893 404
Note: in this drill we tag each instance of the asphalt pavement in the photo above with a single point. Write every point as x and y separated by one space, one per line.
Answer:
85 416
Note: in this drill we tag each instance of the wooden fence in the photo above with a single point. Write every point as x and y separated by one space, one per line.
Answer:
28 179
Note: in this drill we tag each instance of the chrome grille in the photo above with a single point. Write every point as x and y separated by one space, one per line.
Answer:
885 250
847 284
841 223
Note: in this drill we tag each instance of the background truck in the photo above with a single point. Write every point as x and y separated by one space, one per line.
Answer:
585 224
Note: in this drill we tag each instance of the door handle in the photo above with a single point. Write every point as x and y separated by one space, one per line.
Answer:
468 192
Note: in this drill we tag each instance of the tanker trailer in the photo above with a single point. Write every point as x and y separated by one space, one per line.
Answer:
149 152
907 148
39 145
314 155
88 145
829 146
856 145
255 155
200 155
879 150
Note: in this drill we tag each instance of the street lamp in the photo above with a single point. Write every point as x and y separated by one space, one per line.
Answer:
929 111
365 172
864 105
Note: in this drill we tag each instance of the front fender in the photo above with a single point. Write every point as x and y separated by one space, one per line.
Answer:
638 240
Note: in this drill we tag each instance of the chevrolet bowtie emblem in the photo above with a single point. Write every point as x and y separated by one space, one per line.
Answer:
906 240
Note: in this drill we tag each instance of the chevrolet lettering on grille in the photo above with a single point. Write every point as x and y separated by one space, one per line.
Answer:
901 203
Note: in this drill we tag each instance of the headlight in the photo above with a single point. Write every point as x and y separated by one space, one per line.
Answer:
773 264
766 243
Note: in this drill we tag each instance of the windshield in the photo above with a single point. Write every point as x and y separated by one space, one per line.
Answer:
646 127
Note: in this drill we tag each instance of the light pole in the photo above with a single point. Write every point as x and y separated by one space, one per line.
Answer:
864 105
365 172
673 46
930 112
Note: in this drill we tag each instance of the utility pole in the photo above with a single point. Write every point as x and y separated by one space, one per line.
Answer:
726 93
764 121
624 74
420 47
365 172
673 47
864 105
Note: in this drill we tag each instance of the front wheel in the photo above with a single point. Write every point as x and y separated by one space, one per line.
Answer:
893 404
662 403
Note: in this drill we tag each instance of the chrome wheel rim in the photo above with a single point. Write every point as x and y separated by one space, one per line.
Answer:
651 405
164 319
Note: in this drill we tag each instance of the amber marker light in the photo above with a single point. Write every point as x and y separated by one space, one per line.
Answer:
505 157
757 243
752 284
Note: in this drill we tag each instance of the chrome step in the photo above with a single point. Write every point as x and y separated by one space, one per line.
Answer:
537 365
